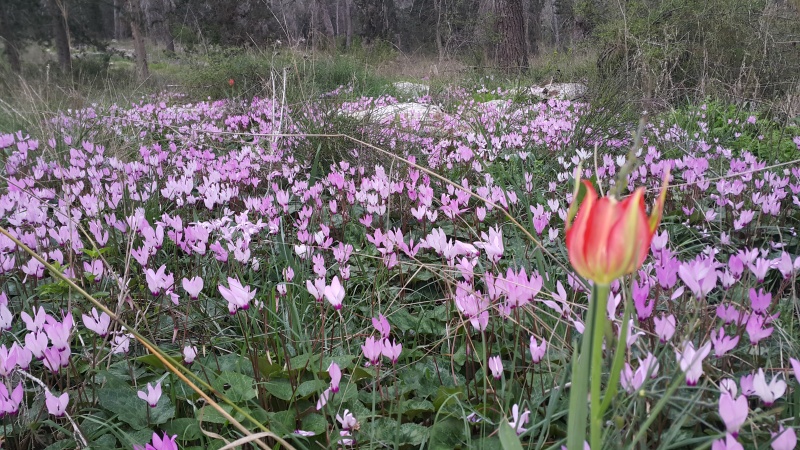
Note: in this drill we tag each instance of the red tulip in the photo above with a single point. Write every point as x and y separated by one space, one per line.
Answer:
611 238
230 82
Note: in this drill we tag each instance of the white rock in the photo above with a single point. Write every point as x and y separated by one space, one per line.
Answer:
415 89
561 91
386 114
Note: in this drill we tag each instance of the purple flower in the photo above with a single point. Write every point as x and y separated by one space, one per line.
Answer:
729 443
537 350
323 398
152 395
784 439
381 325
760 268
768 392
347 420
518 420
733 412
335 293
238 296
193 286
336 376
496 366
756 330
760 301
795 367
56 405
167 443
691 361
372 349
97 323
665 327
189 354
722 343
699 276
392 350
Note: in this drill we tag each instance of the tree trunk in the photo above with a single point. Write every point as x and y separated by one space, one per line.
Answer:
10 43
512 53
484 31
58 15
348 23
138 39
12 53
439 43
535 26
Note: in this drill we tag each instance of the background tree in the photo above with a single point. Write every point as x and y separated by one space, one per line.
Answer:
59 19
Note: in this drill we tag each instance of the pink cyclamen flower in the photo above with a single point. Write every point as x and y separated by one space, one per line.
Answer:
496 366
629 380
347 420
665 327
335 293
95 269
729 443
158 443
492 244
9 403
756 328
518 420
382 325
760 301
335 373
317 288
97 322
238 296
391 350
795 367
189 354
152 395
372 349
193 286
56 405
155 279
8 360
323 398
537 350
768 392
691 361
784 439
733 412
722 343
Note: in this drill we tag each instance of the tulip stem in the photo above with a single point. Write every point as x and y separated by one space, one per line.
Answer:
588 361
600 298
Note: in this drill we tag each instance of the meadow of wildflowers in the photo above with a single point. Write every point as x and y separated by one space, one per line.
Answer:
213 274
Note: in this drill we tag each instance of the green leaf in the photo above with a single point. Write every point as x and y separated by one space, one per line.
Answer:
266 368
413 434
415 407
508 437
104 441
310 387
126 405
211 415
316 423
153 361
237 387
280 388
282 423
187 429
447 434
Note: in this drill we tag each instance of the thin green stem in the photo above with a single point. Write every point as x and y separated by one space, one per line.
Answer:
600 299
